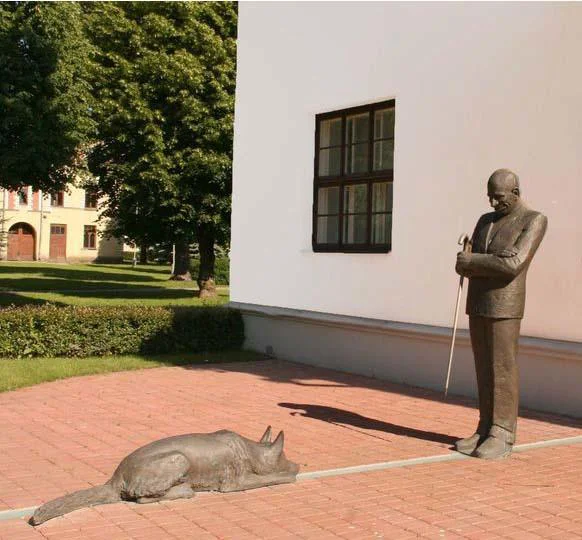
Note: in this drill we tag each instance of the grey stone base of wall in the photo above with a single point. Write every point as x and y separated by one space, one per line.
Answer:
550 370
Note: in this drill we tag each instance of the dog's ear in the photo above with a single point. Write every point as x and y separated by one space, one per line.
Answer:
266 438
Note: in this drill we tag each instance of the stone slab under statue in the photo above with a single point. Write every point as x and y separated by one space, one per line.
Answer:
177 467
503 245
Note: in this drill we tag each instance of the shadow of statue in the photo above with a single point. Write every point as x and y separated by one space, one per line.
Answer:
286 372
333 415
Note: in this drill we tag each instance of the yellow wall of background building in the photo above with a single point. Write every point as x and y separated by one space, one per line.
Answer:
73 214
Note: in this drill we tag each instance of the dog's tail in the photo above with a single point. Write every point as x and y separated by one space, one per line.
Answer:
73 501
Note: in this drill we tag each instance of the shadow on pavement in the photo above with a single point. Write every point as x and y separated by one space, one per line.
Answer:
287 372
333 415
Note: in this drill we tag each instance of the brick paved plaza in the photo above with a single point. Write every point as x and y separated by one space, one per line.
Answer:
68 435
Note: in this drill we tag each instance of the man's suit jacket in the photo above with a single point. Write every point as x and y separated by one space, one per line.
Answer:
502 251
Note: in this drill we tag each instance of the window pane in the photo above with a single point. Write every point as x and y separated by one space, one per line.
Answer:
23 196
384 155
329 162
90 199
355 199
381 228
328 200
328 230
330 132
357 128
355 229
357 158
89 239
382 197
57 199
384 124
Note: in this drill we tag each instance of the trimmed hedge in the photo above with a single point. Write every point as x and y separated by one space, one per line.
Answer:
81 331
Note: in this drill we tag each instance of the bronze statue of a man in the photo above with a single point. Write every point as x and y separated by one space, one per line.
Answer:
503 245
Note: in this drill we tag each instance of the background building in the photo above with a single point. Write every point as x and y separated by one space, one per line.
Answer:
364 137
61 228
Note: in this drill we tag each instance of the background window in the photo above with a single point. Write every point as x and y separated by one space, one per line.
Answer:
354 173
90 198
58 198
23 196
90 237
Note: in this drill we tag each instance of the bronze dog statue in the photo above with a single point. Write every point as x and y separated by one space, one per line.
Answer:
177 467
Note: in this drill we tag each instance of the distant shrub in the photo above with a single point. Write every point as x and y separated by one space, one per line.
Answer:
221 269
221 265
81 331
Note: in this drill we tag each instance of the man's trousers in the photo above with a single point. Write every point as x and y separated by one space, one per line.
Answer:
495 343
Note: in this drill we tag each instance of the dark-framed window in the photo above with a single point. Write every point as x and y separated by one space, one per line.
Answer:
23 196
90 237
353 178
90 198
58 198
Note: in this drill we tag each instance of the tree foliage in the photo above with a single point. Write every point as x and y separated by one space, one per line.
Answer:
45 115
164 86
141 92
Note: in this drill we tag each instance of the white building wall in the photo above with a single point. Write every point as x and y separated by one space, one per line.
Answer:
478 86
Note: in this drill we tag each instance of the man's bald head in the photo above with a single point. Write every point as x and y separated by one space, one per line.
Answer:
506 179
503 191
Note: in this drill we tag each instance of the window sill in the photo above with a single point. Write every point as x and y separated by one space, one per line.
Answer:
352 249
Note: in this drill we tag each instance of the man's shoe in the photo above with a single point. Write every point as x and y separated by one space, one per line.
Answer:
493 448
467 446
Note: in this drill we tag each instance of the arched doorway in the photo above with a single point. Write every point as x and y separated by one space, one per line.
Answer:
21 242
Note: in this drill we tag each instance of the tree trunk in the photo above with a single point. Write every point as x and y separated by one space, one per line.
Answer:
206 282
143 254
182 262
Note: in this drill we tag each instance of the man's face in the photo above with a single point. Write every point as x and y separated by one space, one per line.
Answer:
502 195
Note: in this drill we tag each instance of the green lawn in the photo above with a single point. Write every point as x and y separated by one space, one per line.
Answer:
96 284
30 371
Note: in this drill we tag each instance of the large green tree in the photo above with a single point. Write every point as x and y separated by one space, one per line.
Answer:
45 114
164 87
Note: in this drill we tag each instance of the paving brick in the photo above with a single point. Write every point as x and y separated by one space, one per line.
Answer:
330 420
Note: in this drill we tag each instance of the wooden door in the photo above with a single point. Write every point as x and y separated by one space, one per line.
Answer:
21 242
58 243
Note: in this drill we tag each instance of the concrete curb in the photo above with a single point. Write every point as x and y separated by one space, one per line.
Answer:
20 513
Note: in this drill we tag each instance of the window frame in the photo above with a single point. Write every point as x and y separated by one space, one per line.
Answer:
22 196
59 197
61 231
91 199
86 236
370 177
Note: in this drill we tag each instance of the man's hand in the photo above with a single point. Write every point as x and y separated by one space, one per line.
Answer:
507 253
463 261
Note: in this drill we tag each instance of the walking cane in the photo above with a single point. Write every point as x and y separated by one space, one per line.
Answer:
466 243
